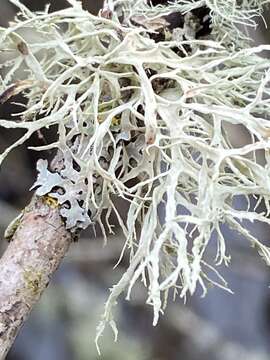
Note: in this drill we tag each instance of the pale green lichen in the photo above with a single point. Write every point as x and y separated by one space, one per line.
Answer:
12 227
127 107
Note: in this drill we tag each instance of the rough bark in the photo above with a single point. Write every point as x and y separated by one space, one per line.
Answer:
35 252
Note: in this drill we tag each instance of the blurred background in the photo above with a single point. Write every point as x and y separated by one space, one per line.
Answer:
62 327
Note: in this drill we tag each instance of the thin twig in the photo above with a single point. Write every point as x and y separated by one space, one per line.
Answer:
37 249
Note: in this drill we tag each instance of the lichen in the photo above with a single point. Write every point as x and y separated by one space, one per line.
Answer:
12 227
50 201
33 281
130 104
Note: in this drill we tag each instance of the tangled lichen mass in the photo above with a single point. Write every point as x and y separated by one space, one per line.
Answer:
134 98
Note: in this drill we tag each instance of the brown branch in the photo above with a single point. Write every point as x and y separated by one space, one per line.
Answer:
37 249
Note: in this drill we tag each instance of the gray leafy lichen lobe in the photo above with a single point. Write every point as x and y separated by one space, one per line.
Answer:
68 191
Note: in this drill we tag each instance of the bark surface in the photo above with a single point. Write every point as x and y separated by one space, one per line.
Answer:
35 252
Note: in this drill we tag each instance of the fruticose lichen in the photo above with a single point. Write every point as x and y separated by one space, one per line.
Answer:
133 99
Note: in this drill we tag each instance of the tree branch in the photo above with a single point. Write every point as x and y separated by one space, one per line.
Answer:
37 249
